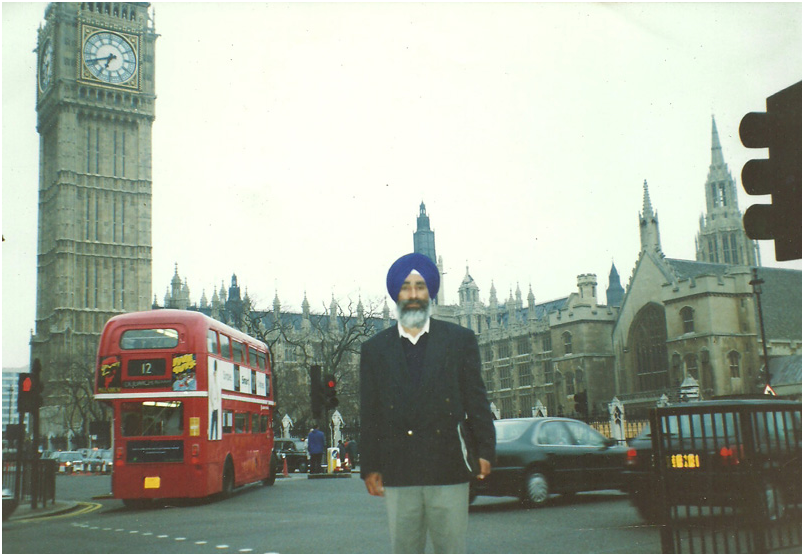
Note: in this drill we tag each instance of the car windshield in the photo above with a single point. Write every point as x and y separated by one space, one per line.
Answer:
510 430
69 456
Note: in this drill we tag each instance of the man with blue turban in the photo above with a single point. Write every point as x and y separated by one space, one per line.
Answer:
427 426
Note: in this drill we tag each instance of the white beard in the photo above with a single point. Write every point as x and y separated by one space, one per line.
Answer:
413 318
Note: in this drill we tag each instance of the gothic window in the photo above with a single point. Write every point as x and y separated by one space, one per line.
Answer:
729 248
505 380
692 367
503 349
489 379
487 354
547 342
648 333
525 405
549 375
687 315
723 198
525 374
523 345
733 363
677 372
567 343
569 384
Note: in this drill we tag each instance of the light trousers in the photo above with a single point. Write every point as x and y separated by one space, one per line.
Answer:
440 510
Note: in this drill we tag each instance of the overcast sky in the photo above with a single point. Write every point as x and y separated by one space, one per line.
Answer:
293 143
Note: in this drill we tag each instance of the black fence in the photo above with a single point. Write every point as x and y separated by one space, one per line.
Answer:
33 483
728 476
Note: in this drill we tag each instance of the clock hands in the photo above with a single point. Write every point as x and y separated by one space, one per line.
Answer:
108 59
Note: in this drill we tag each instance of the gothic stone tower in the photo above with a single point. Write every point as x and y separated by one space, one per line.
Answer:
722 238
95 110
424 243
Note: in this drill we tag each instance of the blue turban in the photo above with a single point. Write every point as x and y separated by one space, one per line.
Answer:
401 269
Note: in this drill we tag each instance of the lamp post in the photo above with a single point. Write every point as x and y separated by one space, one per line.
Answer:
756 283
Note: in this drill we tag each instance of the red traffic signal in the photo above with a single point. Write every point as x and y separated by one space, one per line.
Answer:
330 394
27 395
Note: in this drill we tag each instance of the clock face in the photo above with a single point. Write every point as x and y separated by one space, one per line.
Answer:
109 57
46 66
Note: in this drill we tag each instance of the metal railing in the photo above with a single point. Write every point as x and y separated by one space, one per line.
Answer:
727 476
33 483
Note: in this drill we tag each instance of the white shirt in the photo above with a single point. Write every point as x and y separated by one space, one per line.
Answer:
413 339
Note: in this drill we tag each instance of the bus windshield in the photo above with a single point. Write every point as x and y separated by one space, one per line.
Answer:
152 418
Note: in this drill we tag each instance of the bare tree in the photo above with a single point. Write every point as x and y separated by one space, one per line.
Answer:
331 339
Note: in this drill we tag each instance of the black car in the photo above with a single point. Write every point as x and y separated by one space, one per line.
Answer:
291 450
715 453
540 456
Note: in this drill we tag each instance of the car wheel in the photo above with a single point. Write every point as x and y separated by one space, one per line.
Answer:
302 467
773 501
536 489
228 480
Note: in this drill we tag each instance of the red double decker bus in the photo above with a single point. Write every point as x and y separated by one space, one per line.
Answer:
192 405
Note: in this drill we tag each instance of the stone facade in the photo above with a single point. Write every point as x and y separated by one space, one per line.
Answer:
94 244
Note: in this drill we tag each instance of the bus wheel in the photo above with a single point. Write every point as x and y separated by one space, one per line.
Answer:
271 478
228 480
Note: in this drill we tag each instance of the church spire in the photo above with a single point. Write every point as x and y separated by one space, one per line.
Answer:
717 159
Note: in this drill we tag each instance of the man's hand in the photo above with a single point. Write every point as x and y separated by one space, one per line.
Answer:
485 469
373 482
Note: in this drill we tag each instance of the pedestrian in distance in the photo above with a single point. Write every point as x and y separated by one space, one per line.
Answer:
316 444
427 426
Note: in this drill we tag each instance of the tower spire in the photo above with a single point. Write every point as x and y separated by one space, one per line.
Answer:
717 159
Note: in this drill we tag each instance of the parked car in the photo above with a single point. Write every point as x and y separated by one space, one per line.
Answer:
70 462
292 450
540 456
100 461
716 454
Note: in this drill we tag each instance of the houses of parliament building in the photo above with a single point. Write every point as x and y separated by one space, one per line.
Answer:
679 326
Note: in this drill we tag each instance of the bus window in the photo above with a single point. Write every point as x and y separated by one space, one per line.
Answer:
263 423
239 422
152 418
211 342
261 361
252 357
224 346
253 382
228 420
152 338
238 351
255 424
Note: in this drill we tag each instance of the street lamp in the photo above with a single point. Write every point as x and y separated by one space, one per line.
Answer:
756 283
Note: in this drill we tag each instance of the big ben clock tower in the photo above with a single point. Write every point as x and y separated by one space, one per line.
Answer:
95 110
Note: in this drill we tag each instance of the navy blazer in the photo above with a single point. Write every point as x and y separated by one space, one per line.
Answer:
410 434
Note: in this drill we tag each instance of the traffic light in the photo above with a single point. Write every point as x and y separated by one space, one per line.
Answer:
316 391
329 392
26 397
581 404
778 129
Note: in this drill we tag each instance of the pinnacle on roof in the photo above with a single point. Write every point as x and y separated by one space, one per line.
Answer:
647 205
